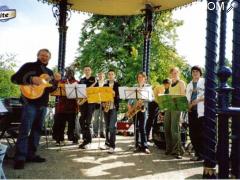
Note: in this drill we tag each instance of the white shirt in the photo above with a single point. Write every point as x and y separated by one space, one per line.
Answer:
200 94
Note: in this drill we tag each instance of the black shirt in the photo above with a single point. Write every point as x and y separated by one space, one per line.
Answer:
116 97
23 77
89 82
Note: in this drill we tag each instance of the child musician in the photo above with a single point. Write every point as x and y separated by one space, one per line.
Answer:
140 117
110 113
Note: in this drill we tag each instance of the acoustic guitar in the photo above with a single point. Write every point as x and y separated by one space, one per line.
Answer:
35 91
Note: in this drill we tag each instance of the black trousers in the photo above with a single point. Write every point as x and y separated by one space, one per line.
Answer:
85 121
153 111
196 132
59 125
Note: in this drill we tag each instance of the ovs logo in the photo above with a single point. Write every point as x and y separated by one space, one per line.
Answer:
6 13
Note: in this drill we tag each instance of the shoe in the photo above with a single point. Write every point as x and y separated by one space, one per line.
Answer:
147 151
150 140
19 164
105 147
60 143
167 153
137 150
83 145
94 136
75 141
102 135
37 159
178 156
57 143
111 150
196 158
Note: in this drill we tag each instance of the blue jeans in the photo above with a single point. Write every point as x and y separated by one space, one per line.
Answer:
29 132
140 129
110 122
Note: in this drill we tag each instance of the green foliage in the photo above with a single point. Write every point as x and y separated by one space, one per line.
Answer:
109 42
7 89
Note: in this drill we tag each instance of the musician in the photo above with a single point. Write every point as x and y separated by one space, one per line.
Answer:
140 117
98 120
86 109
195 96
34 110
153 109
172 118
110 116
66 111
166 84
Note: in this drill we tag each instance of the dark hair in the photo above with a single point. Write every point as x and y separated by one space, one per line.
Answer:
87 66
45 50
166 81
197 68
111 70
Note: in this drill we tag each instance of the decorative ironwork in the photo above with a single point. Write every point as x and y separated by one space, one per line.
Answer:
56 13
147 38
235 155
210 94
62 14
223 99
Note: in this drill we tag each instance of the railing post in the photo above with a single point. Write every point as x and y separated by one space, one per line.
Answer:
223 100
147 38
61 13
235 151
210 94
223 133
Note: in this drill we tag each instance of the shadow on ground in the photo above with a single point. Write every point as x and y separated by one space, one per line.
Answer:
70 162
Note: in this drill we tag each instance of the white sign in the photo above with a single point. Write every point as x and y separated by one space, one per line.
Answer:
6 13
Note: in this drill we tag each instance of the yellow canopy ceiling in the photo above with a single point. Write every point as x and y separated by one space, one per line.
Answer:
121 7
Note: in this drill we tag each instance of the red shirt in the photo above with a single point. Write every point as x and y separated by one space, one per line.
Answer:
65 105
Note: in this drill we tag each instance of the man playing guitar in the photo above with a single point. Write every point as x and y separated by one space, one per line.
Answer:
34 110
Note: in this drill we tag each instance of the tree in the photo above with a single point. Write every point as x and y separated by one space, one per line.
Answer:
109 42
7 88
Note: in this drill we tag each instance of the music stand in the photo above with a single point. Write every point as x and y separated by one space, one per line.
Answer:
71 91
136 93
99 95
172 102
75 91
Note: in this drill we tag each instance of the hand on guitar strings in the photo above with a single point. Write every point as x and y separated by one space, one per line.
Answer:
36 80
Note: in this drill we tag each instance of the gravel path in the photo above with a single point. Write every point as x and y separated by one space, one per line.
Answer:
69 162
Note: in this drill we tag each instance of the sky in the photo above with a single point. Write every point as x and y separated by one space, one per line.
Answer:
35 27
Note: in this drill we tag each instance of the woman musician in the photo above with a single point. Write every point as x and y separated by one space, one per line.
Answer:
66 111
172 118
140 116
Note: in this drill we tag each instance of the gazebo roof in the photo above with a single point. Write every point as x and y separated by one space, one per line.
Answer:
120 7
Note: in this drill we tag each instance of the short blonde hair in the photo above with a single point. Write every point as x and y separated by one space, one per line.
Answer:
174 68
142 74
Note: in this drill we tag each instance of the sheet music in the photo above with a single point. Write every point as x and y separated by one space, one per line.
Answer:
75 90
2 108
145 93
